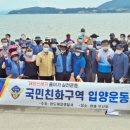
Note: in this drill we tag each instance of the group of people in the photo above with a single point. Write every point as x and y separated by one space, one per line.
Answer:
85 59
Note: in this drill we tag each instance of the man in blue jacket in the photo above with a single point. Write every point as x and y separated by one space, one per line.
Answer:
79 64
63 63
120 63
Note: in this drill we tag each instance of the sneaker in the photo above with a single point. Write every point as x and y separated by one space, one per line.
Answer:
114 113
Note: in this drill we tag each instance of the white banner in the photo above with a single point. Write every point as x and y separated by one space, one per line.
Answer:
64 94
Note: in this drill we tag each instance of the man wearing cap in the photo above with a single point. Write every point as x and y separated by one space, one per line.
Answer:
94 38
63 63
2 64
54 48
44 60
79 64
16 66
39 44
85 37
113 41
81 43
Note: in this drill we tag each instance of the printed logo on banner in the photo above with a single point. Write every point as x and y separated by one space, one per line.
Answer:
16 91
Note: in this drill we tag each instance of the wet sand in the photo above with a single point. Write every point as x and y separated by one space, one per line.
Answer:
33 118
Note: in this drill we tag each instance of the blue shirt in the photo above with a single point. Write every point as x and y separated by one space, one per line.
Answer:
79 63
120 66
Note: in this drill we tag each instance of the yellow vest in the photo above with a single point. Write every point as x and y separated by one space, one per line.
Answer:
46 67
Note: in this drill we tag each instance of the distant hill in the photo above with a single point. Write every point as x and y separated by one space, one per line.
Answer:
49 10
115 4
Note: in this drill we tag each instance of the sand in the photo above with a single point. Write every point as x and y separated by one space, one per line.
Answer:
33 118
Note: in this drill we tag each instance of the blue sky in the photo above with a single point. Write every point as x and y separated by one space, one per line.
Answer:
17 4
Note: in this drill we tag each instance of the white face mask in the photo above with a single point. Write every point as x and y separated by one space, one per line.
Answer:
128 41
23 50
53 45
114 43
77 53
94 39
128 48
98 47
5 44
83 33
80 41
118 52
46 50
105 48
29 54
90 46
23 38
15 59
63 51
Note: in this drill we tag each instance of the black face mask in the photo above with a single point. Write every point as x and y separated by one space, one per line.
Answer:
54 50
38 42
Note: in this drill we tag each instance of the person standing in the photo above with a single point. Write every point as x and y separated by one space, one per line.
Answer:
79 64
123 42
63 63
94 38
2 64
31 70
92 65
120 64
104 67
44 60
113 41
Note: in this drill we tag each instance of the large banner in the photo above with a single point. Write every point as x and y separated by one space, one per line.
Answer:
64 94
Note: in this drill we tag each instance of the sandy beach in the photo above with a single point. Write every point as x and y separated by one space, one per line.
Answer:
33 118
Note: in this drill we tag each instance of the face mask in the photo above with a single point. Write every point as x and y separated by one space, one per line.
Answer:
105 48
29 54
128 41
53 45
63 51
114 43
118 52
15 59
77 53
23 38
98 47
80 41
83 33
38 42
90 46
128 48
46 50
5 44
122 39
23 50
94 39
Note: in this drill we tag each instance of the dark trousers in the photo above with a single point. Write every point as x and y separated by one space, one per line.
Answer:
104 77
35 77
46 78
63 77
117 81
